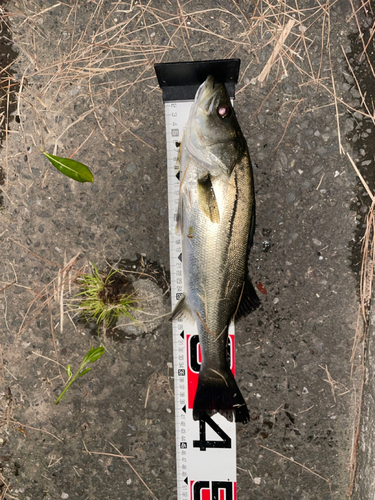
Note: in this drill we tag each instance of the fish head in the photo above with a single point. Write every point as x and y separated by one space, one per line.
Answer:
213 135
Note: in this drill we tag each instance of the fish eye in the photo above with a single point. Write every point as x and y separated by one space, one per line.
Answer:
224 111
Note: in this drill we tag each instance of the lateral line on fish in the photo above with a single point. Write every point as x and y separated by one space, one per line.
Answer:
222 376
234 212
204 324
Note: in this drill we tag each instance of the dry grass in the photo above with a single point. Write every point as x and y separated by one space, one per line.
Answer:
114 53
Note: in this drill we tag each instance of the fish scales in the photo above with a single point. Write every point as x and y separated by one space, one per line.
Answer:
216 209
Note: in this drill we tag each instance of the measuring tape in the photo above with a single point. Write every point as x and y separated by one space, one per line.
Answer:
205 449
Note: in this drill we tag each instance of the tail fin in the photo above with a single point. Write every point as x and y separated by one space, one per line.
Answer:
219 392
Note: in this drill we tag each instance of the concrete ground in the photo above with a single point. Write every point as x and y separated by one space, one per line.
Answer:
77 80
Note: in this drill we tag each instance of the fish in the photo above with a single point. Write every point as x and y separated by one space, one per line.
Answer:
216 220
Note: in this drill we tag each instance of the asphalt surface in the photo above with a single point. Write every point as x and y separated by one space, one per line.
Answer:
82 83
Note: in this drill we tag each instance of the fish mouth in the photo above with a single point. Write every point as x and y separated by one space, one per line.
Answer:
207 91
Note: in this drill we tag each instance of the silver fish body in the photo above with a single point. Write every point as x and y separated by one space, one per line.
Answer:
216 211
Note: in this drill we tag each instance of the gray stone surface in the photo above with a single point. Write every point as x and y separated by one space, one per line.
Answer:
151 309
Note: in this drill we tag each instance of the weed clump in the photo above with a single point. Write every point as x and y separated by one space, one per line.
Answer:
105 296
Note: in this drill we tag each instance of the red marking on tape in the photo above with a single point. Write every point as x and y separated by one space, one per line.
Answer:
203 490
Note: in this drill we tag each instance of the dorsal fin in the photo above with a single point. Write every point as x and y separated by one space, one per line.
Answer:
249 299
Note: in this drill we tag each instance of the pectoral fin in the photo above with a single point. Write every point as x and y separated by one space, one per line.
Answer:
207 199
182 310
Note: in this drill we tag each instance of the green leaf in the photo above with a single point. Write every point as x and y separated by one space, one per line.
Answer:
93 354
84 371
71 168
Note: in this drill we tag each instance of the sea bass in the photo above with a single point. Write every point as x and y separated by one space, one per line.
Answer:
216 221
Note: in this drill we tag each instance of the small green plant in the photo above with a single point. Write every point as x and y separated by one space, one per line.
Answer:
103 296
93 355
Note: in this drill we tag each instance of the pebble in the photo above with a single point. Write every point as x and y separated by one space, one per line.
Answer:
266 245
355 93
305 391
349 125
348 78
283 159
64 495
45 214
130 168
291 197
121 231
316 170
317 242
74 91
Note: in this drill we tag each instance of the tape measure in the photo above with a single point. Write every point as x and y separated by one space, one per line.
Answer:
205 449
